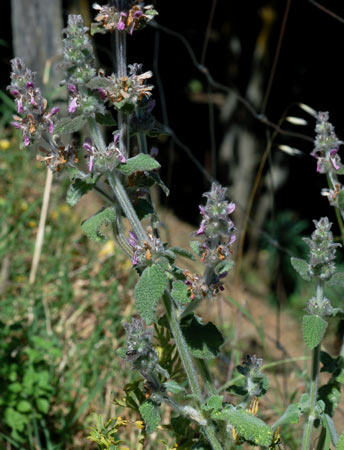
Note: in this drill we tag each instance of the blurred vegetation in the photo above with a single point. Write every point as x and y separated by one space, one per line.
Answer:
57 337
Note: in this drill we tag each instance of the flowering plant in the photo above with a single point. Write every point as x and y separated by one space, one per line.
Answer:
123 100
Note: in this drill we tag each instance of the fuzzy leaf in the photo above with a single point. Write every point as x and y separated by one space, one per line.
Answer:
313 328
139 163
223 267
293 412
330 427
105 119
337 279
341 200
151 416
149 290
214 402
247 426
77 189
173 387
301 266
204 341
99 82
195 247
180 292
182 252
290 416
69 125
92 225
340 442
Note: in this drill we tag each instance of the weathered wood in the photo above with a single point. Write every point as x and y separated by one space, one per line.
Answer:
37 38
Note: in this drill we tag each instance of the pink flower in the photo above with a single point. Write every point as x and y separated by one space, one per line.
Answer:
72 105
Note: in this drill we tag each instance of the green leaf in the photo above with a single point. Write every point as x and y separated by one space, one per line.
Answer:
24 406
293 413
330 427
173 387
182 252
105 119
301 266
15 419
15 387
214 402
42 405
156 178
69 125
330 394
149 290
223 267
139 163
180 292
313 328
151 416
340 442
248 427
195 247
337 279
341 200
77 189
92 225
204 341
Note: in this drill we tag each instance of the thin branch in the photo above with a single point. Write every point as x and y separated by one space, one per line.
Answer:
278 50
327 11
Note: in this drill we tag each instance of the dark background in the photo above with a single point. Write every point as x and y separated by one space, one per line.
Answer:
309 70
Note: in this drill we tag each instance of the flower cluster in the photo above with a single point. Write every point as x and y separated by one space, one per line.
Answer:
256 383
100 160
146 253
58 156
322 250
32 107
140 351
124 92
326 145
111 19
328 160
217 234
79 63
78 54
320 305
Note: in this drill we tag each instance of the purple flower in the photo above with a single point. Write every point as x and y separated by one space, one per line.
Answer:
72 88
30 85
17 125
19 105
103 94
26 141
201 228
87 145
72 105
334 157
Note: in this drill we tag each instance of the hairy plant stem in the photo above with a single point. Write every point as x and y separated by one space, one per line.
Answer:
188 364
131 215
206 377
121 62
308 427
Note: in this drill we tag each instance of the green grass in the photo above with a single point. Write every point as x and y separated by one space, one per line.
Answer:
63 330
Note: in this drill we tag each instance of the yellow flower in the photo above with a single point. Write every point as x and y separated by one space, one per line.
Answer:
4 144
139 424
121 422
